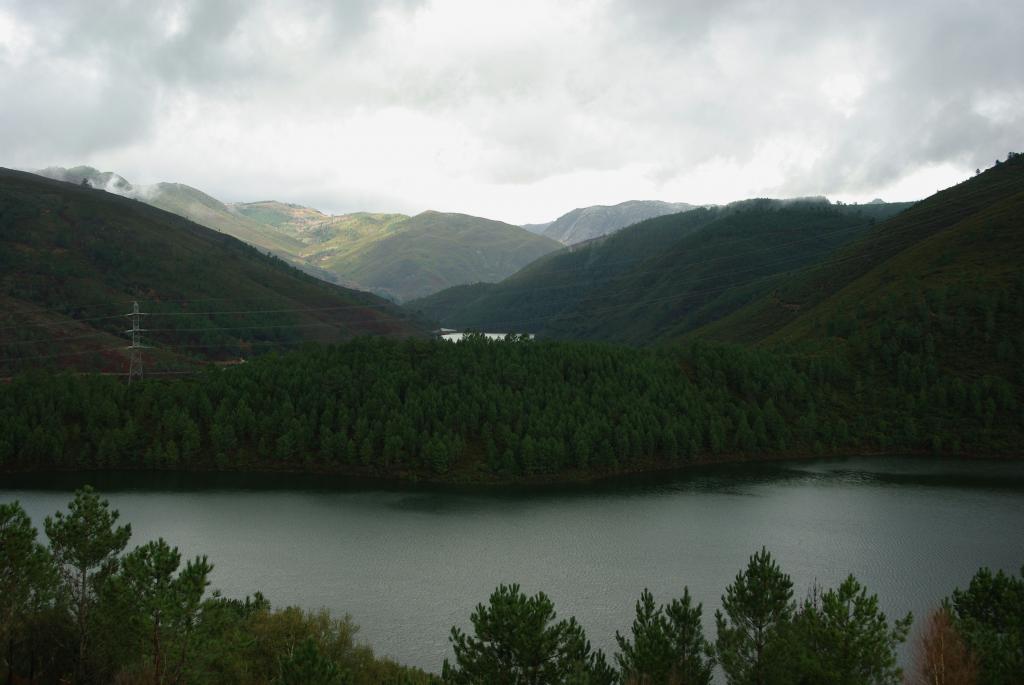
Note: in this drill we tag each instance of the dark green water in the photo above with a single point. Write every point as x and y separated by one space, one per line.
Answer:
407 563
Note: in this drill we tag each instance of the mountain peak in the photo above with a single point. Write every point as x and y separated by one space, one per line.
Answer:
87 175
587 223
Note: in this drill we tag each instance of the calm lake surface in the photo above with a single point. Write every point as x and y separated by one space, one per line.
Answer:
409 562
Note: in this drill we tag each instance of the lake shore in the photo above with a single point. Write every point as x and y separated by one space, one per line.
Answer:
463 477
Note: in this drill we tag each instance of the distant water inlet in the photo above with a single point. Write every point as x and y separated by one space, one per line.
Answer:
408 563
457 336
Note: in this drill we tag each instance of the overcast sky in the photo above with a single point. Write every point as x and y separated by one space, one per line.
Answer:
516 110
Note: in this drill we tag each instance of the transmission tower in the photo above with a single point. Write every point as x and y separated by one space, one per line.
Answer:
135 363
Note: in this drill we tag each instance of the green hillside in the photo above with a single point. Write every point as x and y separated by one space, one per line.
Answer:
529 299
291 219
72 259
208 211
434 250
943 255
337 244
325 246
659 277
396 255
715 270
925 314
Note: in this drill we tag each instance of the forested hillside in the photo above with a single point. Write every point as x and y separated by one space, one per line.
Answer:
431 251
958 249
540 292
660 277
72 260
481 410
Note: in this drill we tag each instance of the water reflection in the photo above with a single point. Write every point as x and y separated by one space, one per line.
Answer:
733 478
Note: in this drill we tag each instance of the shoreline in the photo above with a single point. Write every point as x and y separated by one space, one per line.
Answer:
363 478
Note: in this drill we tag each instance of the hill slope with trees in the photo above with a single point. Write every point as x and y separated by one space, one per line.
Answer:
660 277
434 250
957 253
72 260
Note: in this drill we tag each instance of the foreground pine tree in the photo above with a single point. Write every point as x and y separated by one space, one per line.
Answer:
757 605
155 607
86 544
667 646
839 637
517 641
28 578
989 615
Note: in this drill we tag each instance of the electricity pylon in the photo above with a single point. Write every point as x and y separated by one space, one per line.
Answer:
135 360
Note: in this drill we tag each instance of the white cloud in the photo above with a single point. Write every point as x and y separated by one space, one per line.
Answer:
843 91
517 111
16 40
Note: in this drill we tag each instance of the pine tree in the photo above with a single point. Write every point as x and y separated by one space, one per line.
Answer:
517 640
647 658
161 608
668 645
85 545
756 605
693 663
989 615
28 577
839 637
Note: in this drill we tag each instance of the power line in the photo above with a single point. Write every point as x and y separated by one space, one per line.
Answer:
58 340
62 354
62 323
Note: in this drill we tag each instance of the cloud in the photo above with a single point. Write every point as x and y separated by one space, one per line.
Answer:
519 111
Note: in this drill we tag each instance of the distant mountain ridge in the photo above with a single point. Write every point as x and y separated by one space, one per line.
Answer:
587 223
180 199
394 255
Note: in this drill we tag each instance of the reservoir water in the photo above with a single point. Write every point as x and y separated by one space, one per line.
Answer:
409 562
